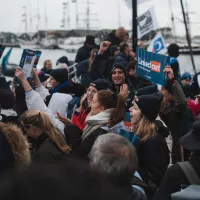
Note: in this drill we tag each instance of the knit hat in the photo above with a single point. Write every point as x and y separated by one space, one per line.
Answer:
6 99
113 48
147 90
118 66
150 105
100 84
187 76
90 40
60 75
63 59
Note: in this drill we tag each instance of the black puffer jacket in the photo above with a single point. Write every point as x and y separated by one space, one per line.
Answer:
45 150
83 53
153 156
81 148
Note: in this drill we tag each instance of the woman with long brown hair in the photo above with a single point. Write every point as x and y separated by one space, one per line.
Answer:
107 114
49 143
84 68
153 153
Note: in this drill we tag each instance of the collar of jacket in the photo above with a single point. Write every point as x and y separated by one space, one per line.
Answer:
56 89
40 140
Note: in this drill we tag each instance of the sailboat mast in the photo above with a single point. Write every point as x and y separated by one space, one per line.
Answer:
38 20
77 18
172 19
119 12
88 14
188 36
30 18
46 18
134 25
25 18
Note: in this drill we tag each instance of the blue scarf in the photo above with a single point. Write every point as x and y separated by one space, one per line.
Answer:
56 89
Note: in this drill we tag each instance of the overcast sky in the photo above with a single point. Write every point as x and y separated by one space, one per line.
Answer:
107 14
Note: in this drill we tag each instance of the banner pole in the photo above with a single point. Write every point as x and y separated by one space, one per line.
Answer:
134 25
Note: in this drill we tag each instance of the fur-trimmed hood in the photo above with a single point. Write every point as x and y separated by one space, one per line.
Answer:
17 142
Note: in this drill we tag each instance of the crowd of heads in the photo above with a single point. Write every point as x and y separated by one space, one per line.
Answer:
96 153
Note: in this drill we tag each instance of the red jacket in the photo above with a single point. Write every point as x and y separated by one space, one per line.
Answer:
194 107
80 117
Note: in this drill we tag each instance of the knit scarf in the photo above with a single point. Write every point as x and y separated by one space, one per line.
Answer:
95 122
56 89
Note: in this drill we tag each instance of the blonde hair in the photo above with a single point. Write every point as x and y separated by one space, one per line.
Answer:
41 120
146 129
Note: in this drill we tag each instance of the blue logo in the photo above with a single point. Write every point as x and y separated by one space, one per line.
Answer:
158 45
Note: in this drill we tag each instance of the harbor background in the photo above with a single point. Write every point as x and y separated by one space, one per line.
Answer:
54 55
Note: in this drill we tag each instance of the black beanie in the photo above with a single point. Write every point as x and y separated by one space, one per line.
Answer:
60 75
100 84
150 105
119 66
64 60
6 99
147 90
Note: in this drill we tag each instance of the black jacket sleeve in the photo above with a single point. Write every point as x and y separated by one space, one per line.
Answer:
98 67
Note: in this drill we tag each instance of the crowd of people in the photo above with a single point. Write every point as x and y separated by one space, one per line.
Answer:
106 137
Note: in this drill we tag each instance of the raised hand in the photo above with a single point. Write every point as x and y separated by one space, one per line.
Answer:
104 46
19 73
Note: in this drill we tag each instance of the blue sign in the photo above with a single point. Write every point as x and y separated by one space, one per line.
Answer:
151 66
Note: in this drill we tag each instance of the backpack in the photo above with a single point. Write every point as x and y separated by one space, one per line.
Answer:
190 173
193 191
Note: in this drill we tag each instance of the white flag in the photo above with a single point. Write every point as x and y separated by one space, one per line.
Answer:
157 45
146 22
129 2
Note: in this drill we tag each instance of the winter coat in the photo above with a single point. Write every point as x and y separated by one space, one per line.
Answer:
80 117
108 68
81 148
14 148
83 53
4 84
98 67
195 108
114 41
175 66
138 82
175 179
82 70
153 156
45 150
35 100
122 58
178 118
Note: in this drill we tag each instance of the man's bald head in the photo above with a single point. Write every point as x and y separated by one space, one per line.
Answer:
120 33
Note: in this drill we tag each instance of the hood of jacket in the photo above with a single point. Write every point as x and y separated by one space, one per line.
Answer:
17 142
162 130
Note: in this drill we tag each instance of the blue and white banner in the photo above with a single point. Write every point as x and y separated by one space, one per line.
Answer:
147 22
157 45
151 66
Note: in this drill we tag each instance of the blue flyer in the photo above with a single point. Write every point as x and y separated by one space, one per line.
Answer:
151 66
29 60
